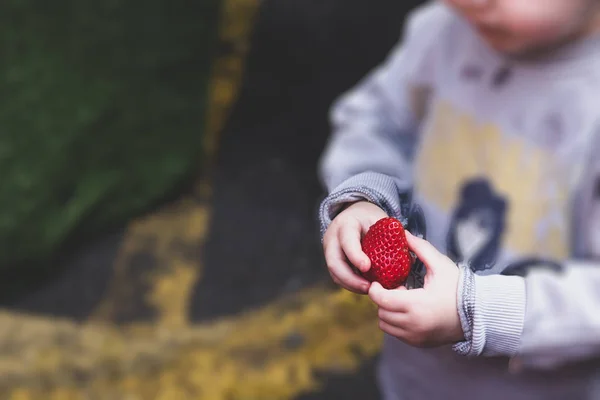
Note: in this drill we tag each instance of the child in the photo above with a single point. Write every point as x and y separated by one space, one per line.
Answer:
482 129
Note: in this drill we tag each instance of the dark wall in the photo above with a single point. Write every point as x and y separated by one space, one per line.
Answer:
264 229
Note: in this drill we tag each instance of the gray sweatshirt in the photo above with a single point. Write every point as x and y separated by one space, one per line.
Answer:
502 156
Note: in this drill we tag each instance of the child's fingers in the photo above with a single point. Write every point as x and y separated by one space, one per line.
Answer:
425 251
392 330
349 280
397 300
397 319
340 270
339 283
349 238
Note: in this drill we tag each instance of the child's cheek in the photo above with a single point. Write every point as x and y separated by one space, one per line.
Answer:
536 22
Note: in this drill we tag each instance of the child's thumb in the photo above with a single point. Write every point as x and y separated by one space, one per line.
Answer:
425 251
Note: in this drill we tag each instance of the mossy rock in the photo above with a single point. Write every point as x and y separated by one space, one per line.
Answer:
102 114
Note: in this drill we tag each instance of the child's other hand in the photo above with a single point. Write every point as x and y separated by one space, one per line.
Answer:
426 317
341 244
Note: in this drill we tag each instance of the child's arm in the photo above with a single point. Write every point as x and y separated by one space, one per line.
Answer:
544 320
374 125
547 318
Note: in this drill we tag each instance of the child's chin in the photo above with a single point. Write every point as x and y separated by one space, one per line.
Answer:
512 50
506 47
523 50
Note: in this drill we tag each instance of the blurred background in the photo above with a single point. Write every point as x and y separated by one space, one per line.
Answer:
158 232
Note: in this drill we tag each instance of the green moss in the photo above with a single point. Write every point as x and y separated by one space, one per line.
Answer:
102 112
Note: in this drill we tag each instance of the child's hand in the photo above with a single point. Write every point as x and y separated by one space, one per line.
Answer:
341 244
426 317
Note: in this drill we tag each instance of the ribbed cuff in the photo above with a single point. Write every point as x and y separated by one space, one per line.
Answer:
465 304
492 312
374 187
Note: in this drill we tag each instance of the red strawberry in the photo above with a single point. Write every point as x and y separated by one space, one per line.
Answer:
385 245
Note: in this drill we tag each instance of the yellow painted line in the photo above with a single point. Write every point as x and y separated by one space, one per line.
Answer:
272 353
170 238
171 234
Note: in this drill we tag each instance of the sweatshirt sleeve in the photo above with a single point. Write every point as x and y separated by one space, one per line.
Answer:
369 153
549 317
